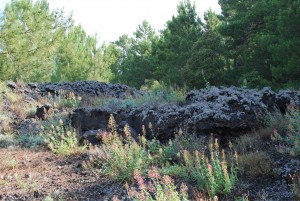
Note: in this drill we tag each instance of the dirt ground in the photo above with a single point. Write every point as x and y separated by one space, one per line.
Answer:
27 174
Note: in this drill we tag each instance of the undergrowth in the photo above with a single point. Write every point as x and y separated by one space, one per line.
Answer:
62 139
127 160
156 94
289 141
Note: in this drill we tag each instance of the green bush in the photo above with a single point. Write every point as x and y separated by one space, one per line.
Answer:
291 138
159 188
118 157
62 139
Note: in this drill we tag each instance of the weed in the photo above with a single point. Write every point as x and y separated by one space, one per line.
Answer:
290 141
61 99
262 196
29 140
23 140
158 91
118 158
295 185
62 139
158 188
211 174
27 186
5 122
244 197
255 165
10 163
173 151
56 195
273 121
248 143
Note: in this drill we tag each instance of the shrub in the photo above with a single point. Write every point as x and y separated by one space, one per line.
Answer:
62 99
157 91
5 122
255 165
295 185
290 141
248 143
62 139
158 188
172 151
9 163
119 157
212 174
23 140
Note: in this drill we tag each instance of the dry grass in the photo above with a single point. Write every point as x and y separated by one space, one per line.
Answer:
248 143
255 165
5 123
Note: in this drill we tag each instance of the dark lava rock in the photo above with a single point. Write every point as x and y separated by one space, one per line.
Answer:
43 111
286 97
92 88
221 111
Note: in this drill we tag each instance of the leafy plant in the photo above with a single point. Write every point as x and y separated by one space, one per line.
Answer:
10 163
159 188
119 157
255 165
62 139
295 185
291 139
212 174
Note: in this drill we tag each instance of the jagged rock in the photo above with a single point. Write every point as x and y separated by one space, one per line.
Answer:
92 88
287 97
223 111
43 111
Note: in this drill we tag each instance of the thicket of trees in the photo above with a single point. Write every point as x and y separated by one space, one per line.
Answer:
251 43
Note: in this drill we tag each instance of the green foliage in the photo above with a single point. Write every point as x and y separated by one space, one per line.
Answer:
79 58
174 47
22 140
63 99
159 188
136 62
206 65
212 174
262 40
29 34
291 137
62 139
255 165
119 158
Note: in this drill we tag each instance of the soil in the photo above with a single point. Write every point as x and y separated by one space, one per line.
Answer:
35 174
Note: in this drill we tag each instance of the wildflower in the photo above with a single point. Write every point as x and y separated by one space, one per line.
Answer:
138 177
184 189
167 180
209 168
153 173
150 187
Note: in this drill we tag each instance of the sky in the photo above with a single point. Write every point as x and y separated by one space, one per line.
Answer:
113 18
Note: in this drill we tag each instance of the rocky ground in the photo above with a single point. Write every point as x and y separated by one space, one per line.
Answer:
231 114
